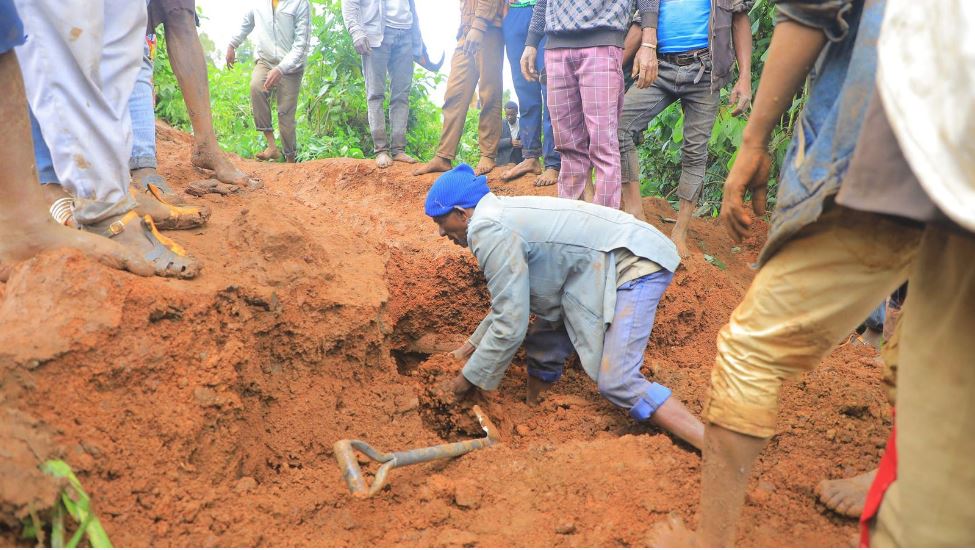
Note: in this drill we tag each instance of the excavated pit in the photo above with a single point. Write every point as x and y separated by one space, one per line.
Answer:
203 413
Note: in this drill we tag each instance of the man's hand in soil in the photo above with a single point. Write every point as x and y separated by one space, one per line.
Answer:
741 96
472 42
231 57
463 352
272 78
362 46
529 68
461 387
749 173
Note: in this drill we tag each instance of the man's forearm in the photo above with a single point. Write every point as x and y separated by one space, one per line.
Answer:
741 35
791 55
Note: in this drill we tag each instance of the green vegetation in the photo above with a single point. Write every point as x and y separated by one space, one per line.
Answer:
73 502
332 110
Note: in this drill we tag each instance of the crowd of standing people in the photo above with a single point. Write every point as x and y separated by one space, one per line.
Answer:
877 189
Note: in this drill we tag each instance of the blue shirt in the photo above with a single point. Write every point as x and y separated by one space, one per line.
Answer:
683 25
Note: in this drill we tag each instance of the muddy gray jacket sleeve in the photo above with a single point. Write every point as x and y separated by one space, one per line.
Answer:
295 60
246 26
501 255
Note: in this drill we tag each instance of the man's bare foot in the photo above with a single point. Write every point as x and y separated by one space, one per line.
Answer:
167 215
846 496
222 168
484 166
681 243
671 533
290 159
549 177
269 153
436 164
536 390
679 234
527 166
383 160
404 158
28 238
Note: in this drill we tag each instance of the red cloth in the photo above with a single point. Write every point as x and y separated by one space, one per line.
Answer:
886 474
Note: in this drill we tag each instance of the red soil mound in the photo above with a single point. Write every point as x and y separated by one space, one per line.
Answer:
203 412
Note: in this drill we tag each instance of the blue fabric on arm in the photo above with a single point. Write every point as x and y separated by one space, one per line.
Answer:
683 25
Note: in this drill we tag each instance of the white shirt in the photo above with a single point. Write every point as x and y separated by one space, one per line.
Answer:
926 77
398 14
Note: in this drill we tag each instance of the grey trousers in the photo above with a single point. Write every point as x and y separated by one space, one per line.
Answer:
286 91
393 56
700 106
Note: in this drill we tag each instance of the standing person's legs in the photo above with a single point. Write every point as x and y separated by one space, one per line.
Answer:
601 88
490 90
374 68
932 502
26 227
640 106
620 380
400 82
461 82
261 109
515 29
568 123
189 65
553 162
79 86
288 89
700 107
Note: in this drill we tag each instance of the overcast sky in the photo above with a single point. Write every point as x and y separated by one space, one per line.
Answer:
439 20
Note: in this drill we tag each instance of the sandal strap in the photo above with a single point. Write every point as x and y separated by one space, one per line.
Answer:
118 226
155 180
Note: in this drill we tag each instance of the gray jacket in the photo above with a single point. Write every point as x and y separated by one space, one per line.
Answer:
283 35
552 258
367 18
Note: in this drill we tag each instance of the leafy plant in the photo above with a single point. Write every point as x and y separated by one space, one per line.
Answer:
73 502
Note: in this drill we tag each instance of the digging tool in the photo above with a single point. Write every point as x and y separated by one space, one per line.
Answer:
349 463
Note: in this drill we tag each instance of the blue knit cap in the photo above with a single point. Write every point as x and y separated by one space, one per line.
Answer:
457 187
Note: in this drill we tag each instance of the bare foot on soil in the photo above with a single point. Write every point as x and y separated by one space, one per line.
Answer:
269 153
23 241
436 164
222 169
404 158
383 160
671 533
536 391
527 166
549 177
484 166
846 496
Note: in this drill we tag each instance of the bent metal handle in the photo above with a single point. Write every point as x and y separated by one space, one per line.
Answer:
349 463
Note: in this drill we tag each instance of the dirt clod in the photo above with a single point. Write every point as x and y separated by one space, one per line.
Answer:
565 528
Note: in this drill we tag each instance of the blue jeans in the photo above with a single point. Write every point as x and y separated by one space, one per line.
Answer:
547 348
143 118
42 155
534 113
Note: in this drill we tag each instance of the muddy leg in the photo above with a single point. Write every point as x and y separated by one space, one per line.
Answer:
24 220
679 234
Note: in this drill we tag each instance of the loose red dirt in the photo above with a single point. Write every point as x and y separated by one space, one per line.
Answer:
203 412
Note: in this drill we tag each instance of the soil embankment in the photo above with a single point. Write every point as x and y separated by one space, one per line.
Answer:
203 412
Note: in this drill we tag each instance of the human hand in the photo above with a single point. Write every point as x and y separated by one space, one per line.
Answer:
472 42
528 66
463 352
741 96
749 173
362 46
461 387
231 57
645 67
272 78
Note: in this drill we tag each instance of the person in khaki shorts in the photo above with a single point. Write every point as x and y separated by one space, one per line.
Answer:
882 192
477 63
282 29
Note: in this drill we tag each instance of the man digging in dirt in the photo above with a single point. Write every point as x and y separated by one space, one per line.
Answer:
26 227
592 276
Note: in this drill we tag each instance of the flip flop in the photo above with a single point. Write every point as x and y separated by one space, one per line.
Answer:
167 257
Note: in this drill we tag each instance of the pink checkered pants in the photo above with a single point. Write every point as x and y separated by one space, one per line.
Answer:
585 99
